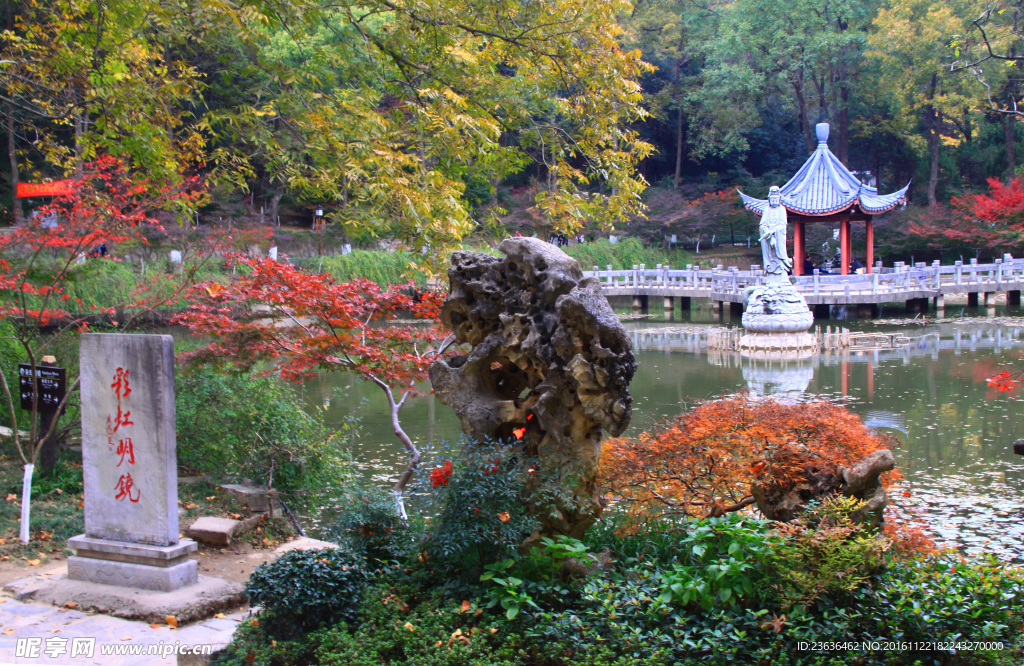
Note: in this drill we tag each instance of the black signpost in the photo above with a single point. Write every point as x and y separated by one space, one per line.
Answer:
51 387
53 382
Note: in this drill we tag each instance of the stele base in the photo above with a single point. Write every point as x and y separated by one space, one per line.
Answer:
133 565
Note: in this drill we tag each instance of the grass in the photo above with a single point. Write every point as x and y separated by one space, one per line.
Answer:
625 254
384 268
56 513
57 510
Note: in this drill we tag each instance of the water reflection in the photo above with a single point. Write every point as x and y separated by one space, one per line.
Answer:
955 432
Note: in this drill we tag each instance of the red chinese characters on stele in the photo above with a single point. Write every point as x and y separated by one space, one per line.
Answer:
117 427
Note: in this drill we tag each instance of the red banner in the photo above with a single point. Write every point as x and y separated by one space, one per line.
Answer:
54 189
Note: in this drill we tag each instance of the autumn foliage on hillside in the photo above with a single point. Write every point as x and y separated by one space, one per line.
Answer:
703 463
992 221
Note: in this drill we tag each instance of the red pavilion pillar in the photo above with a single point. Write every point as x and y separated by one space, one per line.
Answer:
870 229
799 249
844 245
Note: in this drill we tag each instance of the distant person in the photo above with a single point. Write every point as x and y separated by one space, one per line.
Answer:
518 235
808 266
856 265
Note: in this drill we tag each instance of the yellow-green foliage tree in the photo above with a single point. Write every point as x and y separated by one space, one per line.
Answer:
912 45
384 110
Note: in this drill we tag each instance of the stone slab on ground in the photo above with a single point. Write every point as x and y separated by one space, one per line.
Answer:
255 498
304 543
34 620
194 602
213 531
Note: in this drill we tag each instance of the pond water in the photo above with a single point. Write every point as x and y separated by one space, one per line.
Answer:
955 432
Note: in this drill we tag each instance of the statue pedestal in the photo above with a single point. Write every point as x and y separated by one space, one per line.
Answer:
777 307
776 320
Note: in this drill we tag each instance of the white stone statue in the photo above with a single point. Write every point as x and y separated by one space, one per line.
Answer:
773 235
776 315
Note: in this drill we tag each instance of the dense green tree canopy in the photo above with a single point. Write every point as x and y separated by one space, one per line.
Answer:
423 120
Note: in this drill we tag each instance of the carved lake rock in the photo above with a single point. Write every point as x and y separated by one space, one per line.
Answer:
550 365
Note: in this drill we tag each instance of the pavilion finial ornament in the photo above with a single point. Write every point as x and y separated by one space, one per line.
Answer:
773 235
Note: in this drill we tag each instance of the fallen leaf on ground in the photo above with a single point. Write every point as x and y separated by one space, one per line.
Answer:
126 638
504 517
171 621
255 623
154 626
493 630
59 491
466 607
81 503
11 497
235 516
409 626
70 604
190 505
212 497
219 616
34 563
56 631
10 632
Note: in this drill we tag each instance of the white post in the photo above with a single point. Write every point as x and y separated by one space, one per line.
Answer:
26 500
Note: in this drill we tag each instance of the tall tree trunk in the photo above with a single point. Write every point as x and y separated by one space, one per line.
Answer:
933 148
274 202
79 143
843 138
1010 136
801 103
679 123
934 118
12 155
679 146
878 171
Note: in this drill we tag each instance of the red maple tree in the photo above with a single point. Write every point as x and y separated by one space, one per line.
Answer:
703 463
305 322
992 221
106 205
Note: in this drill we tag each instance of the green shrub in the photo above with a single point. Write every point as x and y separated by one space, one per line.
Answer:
404 625
722 558
11 355
946 597
825 552
305 589
483 514
253 425
366 521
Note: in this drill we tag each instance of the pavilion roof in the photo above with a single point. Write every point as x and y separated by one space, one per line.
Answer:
824 185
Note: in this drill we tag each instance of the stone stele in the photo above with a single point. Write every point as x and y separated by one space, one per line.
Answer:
130 466
545 344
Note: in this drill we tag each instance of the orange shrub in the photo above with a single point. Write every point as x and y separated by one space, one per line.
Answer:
703 463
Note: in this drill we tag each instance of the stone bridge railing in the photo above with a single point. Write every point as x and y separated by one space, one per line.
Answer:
882 285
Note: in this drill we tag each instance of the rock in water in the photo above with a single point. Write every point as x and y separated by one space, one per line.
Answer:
550 365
